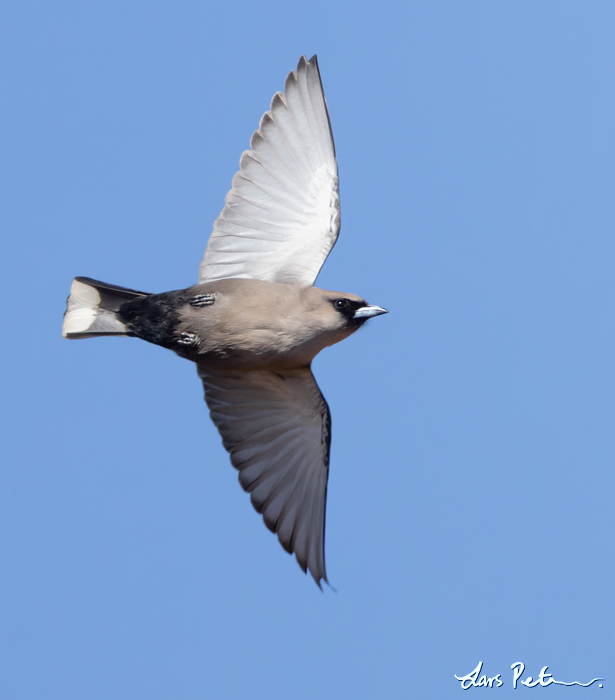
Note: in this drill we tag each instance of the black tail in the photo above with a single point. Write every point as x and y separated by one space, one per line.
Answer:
91 309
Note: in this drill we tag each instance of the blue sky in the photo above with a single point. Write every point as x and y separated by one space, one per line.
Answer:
470 511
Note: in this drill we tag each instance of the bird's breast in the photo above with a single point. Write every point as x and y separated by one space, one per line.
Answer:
233 336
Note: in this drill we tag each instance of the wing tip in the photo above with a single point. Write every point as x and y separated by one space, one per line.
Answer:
319 576
308 61
313 63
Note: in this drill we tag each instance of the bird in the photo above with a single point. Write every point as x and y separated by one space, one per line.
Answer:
254 321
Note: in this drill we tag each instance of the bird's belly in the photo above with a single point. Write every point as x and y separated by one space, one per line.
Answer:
256 348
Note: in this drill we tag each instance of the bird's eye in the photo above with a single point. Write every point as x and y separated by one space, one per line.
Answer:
341 303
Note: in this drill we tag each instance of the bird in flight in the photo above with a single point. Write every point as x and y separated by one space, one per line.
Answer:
254 321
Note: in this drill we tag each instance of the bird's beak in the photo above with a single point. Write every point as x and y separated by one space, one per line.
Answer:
369 311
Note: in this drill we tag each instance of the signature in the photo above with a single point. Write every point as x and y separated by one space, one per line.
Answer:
474 679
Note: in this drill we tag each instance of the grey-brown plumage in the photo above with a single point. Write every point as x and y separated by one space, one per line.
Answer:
254 322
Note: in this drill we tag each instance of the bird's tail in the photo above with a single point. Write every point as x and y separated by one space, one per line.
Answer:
91 309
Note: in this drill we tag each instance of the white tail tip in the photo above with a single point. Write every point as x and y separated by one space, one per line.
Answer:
84 317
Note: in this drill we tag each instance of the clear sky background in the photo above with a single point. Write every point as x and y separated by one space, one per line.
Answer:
470 513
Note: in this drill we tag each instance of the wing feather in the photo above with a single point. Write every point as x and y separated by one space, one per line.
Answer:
282 216
277 427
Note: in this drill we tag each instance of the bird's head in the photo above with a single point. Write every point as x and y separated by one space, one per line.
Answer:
339 313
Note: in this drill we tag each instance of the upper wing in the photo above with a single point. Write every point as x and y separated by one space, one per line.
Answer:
277 429
282 215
